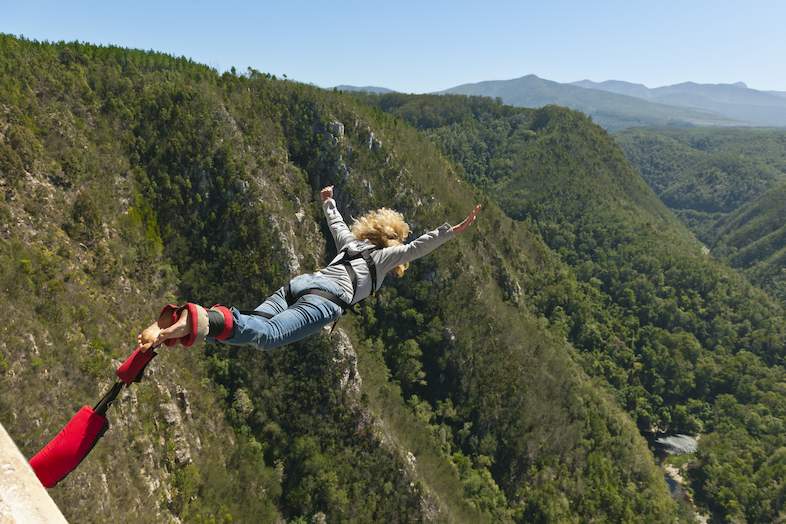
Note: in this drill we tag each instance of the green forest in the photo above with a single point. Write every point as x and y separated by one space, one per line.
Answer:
687 344
510 376
728 186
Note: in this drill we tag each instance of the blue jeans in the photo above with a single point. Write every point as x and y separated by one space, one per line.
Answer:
304 318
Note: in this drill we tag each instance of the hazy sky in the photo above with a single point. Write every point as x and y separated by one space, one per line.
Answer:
431 45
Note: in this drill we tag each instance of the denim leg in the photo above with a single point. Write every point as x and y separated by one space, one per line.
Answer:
274 304
304 318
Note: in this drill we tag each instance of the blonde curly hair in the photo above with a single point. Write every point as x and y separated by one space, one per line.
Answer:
384 228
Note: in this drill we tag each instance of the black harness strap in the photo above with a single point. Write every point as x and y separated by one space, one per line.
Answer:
352 276
288 297
372 268
325 294
345 261
294 298
109 397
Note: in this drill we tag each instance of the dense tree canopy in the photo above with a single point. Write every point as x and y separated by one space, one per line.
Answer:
728 186
687 344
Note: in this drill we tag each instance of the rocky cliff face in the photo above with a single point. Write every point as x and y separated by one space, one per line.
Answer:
171 426
172 423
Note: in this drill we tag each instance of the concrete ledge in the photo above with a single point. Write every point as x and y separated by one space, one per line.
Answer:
23 500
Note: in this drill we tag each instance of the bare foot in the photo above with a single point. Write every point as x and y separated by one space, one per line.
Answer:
147 337
156 333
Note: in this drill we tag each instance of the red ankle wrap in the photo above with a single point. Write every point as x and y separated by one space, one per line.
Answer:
229 322
174 311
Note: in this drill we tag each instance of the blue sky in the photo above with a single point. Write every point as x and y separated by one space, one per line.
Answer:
431 45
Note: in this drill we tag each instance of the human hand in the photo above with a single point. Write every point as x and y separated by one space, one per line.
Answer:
326 192
460 228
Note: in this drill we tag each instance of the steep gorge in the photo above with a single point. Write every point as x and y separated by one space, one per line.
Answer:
132 178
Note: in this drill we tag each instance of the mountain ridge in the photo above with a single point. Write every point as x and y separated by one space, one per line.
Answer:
611 110
365 89
735 101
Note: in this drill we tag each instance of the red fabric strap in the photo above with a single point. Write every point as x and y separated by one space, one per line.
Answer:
229 322
193 323
134 364
64 452
173 310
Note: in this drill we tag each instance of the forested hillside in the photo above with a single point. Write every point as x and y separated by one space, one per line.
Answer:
727 186
753 238
133 178
687 344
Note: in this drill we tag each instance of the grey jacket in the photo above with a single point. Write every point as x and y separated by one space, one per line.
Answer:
385 259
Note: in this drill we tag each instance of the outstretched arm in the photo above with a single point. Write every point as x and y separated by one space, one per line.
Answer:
424 244
341 233
460 228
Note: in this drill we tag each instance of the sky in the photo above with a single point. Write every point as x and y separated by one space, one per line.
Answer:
423 46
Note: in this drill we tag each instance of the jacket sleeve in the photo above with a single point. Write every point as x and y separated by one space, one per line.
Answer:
341 233
390 257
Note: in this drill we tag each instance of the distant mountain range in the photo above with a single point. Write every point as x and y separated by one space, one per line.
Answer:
735 101
613 111
365 89
616 104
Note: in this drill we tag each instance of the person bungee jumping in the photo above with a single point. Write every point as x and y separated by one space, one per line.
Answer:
372 248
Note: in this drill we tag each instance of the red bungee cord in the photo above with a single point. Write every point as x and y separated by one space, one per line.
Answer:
67 450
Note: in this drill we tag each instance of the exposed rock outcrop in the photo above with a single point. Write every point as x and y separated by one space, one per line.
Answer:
351 382
336 129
